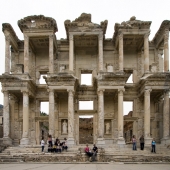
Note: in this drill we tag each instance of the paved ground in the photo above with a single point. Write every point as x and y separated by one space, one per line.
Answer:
111 166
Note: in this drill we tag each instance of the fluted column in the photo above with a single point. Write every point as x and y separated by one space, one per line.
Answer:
25 132
51 113
71 52
121 52
147 116
26 54
120 116
71 140
51 54
100 49
6 123
7 54
146 53
101 113
166 134
166 50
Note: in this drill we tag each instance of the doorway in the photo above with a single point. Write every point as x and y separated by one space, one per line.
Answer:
85 129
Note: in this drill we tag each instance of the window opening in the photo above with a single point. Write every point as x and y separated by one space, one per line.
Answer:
127 107
42 80
86 79
44 108
130 79
85 105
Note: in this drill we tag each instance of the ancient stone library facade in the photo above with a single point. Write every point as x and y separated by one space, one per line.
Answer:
64 62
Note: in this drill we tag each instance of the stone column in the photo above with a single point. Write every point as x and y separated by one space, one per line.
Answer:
121 52
165 117
7 54
51 54
71 140
25 132
51 113
100 49
166 50
100 140
146 53
147 116
121 139
6 123
71 52
26 54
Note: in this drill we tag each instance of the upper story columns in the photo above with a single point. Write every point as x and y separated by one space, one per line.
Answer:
100 49
51 53
166 50
121 51
146 53
71 52
26 53
7 54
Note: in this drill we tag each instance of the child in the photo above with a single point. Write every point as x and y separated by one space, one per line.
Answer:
42 144
153 144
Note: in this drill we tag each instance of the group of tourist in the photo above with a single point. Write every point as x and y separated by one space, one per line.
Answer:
91 153
54 146
142 141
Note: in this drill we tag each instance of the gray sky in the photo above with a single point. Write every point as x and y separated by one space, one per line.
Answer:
115 11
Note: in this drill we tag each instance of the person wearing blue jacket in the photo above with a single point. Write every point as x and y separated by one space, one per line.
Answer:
153 144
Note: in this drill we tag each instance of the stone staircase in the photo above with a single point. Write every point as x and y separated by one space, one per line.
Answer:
111 153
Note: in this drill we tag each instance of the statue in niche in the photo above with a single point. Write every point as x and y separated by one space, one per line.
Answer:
107 128
64 127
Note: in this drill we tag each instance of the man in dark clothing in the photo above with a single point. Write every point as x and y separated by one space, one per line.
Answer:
95 150
142 140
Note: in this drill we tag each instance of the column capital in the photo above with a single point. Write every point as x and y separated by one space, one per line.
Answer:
5 91
100 91
120 35
147 92
70 91
120 91
7 38
71 37
26 37
50 90
51 36
146 35
166 35
100 36
166 92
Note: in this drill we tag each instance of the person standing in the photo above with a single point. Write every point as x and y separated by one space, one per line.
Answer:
153 144
134 143
42 144
142 140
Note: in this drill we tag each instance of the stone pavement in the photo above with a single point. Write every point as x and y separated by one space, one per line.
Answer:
92 166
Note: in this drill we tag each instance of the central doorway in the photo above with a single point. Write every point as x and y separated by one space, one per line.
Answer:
85 129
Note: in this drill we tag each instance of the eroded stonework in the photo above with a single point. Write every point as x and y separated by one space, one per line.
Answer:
62 63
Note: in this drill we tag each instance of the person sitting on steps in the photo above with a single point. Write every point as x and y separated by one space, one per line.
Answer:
87 151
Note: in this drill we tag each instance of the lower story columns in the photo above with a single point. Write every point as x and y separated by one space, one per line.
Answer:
6 129
25 132
100 139
121 139
71 140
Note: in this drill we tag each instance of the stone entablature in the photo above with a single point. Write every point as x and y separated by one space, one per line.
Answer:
110 62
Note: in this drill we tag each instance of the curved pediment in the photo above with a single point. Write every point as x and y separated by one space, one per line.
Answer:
37 22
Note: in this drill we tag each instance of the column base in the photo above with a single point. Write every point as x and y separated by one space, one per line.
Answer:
16 142
70 141
165 141
121 141
24 141
7 141
100 141
148 141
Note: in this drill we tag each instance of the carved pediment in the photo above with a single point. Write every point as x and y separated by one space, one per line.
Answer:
38 22
84 24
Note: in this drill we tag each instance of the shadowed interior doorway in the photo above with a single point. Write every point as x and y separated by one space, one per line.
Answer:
85 130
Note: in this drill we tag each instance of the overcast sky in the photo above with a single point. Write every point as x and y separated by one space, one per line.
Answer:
115 11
